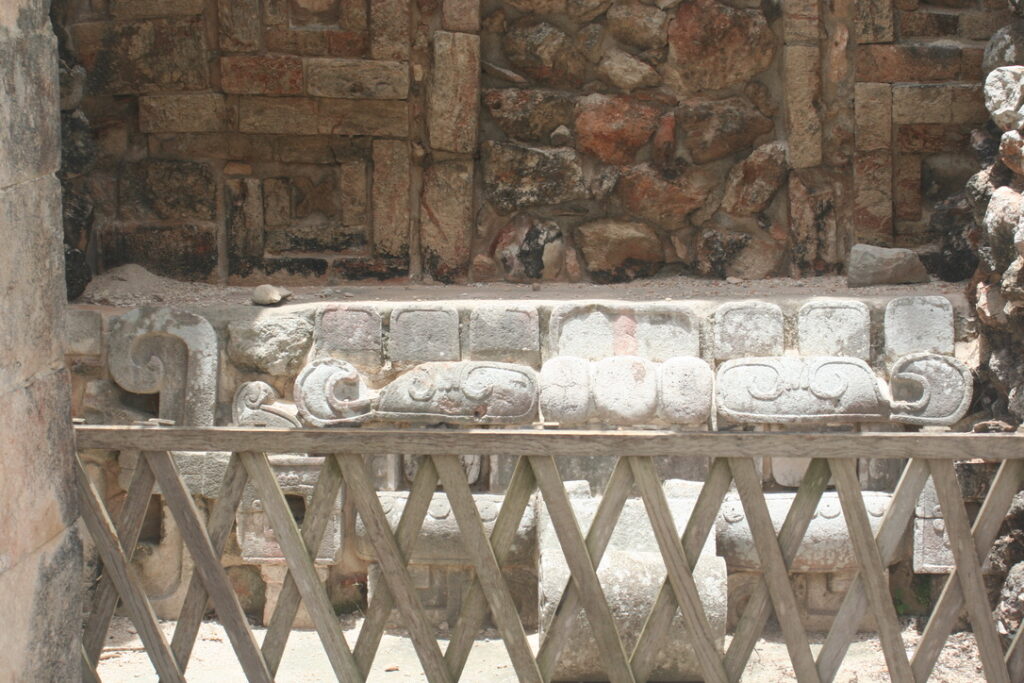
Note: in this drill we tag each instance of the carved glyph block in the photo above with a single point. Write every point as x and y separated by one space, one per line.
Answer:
748 328
929 389
915 324
330 392
424 333
503 332
565 390
781 390
835 327
350 333
594 331
256 405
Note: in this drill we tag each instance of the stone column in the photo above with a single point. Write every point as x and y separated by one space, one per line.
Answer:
40 549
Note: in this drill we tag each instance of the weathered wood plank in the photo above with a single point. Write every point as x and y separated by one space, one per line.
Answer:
759 608
872 571
101 528
314 525
219 526
409 525
677 566
393 567
89 674
598 535
207 564
969 571
474 602
537 442
129 526
584 574
776 574
476 545
1015 657
701 521
890 533
951 599
300 566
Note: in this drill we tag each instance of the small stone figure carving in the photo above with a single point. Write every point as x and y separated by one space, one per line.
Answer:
256 405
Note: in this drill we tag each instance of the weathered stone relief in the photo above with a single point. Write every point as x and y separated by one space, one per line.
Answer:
835 327
781 390
256 404
928 389
597 330
626 390
748 328
170 352
331 392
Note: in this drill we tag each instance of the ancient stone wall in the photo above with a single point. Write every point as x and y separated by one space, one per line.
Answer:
40 550
520 140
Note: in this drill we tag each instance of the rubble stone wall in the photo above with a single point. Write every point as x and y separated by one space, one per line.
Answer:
521 140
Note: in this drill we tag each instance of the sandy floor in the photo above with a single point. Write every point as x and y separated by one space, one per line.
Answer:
213 659
132 285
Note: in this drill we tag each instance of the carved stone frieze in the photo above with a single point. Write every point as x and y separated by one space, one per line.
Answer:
782 389
331 392
929 389
166 351
256 405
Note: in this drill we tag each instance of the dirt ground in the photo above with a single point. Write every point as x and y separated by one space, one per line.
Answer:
213 660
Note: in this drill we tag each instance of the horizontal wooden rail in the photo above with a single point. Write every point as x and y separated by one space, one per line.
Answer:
557 442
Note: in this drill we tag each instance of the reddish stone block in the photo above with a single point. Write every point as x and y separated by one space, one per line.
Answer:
261 75
282 115
453 95
364 117
392 168
238 25
872 210
928 24
357 78
614 128
188 113
925 138
907 181
348 43
446 219
286 40
461 15
970 64
389 29
911 63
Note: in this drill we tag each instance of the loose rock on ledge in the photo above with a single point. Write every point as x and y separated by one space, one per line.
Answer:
269 295
881 266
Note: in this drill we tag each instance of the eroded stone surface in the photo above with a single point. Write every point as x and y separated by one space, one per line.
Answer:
625 389
83 333
330 392
276 346
826 546
466 392
504 332
870 265
687 385
748 328
352 333
654 331
256 405
565 390
918 324
424 333
781 390
835 327
1004 96
929 389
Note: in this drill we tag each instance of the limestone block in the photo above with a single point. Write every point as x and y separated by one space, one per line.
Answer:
446 219
916 324
391 177
802 66
83 332
274 345
565 390
871 265
653 331
929 389
389 29
826 546
273 577
625 389
874 21
872 179
800 21
356 78
834 327
145 357
932 552
748 328
631 574
786 390
453 95
1004 91
685 390
364 117
424 332
186 113
460 15
296 476
440 541
238 25
330 392
350 333
873 116
505 332
473 392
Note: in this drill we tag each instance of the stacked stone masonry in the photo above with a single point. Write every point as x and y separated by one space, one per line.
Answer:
521 139
876 363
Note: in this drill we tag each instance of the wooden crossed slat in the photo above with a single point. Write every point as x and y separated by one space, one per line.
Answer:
124 578
208 566
951 599
409 525
393 567
702 520
758 610
890 533
598 535
129 526
678 569
873 572
314 524
595 604
775 572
